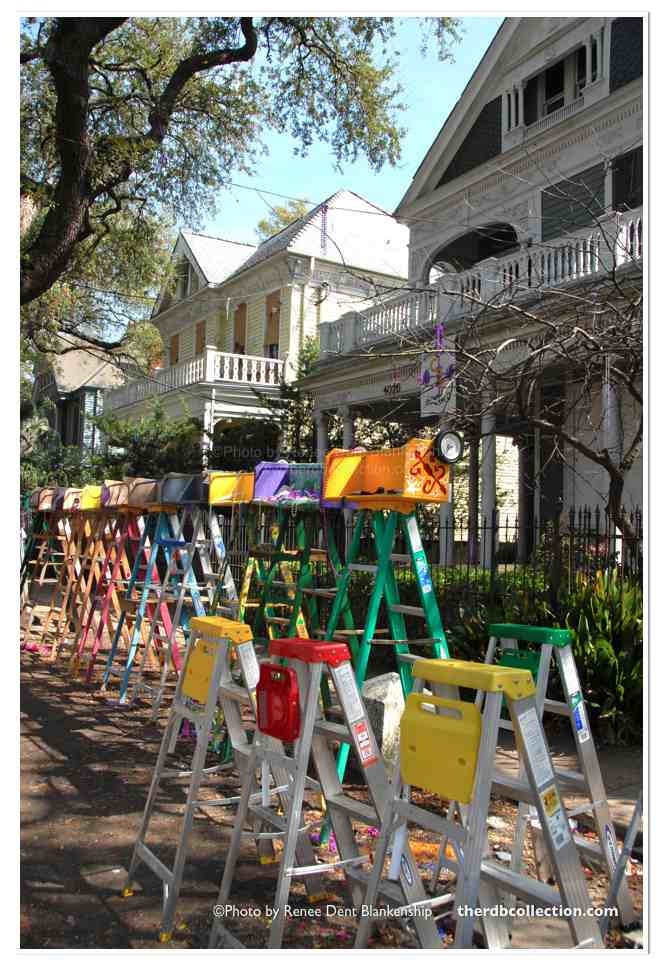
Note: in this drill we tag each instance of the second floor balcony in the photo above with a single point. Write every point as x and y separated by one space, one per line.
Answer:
212 367
526 273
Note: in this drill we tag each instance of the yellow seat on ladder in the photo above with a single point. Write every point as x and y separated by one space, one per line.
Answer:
230 487
514 683
211 633
424 736
91 497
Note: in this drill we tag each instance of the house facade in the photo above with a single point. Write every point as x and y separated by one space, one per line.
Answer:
76 382
531 192
239 314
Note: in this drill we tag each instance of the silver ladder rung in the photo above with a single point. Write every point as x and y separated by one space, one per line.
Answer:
515 884
401 558
337 731
277 620
322 593
362 567
389 889
556 706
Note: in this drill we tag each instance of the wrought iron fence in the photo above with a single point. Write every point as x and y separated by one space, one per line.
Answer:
538 557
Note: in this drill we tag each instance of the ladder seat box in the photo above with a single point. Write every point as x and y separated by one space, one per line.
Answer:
71 499
392 478
142 492
42 499
91 497
179 489
281 482
230 487
115 493
309 650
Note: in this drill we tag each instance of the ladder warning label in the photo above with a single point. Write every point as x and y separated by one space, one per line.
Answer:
364 745
535 747
249 663
347 689
555 817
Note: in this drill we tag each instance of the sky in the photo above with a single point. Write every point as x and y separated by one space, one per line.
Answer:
430 90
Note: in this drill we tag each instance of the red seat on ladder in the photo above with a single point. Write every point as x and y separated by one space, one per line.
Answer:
310 650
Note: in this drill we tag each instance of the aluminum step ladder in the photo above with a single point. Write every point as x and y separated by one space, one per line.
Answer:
519 645
92 562
288 704
45 554
220 669
448 747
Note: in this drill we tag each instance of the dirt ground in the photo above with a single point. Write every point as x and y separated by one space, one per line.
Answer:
86 764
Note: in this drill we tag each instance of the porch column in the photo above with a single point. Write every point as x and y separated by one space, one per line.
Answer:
208 427
612 421
347 427
473 502
523 500
488 471
446 517
322 434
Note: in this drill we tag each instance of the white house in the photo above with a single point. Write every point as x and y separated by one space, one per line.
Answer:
553 102
240 313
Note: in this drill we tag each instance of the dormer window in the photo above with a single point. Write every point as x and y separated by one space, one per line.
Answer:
561 84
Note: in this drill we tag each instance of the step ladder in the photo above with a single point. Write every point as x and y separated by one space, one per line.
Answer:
42 563
221 653
384 488
520 646
124 537
90 575
139 602
56 619
448 747
288 708
186 557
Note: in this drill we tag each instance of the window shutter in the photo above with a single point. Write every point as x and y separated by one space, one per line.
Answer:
173 349
240 323
200 338
272 337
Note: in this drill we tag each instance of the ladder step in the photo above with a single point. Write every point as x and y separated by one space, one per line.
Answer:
352 807
400 642
556 706
337 731
509 786
277 620
234 692
571 778
322 593
539 893
330 866
408 610
389 889
362 567
400 558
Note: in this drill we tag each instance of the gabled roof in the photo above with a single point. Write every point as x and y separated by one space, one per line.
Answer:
85 366
216 258
463 112
337 229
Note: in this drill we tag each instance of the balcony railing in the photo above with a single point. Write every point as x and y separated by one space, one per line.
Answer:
210 367
490 284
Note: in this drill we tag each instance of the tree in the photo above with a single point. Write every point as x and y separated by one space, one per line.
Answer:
126 118
281 216
152 446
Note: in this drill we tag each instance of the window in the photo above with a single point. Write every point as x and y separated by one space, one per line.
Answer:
272 336
174 346
240 323
508 111
594 59
554 88
200 338
628 180
182 278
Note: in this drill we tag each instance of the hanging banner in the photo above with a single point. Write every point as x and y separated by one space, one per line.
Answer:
438 383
